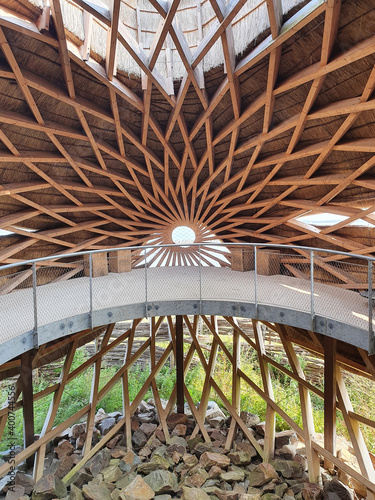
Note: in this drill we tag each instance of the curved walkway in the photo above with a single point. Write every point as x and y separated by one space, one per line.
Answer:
64 307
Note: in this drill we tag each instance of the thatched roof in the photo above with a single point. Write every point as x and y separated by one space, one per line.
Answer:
92 158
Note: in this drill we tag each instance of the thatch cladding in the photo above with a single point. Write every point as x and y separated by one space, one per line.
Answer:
195 19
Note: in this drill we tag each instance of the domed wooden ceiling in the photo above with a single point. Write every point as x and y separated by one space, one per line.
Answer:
93 157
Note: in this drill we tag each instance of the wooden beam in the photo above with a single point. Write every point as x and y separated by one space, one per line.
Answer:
26 379
330 346
180 364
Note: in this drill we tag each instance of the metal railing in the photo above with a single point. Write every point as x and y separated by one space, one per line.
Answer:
311 265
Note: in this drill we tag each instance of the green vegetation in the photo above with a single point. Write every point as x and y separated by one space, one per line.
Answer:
77 393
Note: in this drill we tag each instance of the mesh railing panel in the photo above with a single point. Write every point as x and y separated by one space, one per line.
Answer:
60 283
13 300
283 290
337 283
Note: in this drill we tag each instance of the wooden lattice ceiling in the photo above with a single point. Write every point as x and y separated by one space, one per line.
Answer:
90 159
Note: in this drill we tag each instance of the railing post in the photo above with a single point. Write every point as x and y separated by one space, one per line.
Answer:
35 306
255 283
312 289
90 284
200 280
146 291
371 347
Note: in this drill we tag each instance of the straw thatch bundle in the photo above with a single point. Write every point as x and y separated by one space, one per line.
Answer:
195 18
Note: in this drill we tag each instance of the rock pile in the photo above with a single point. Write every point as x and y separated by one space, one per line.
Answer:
184 467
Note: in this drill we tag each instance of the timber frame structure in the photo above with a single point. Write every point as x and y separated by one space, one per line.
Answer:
184 330
94 155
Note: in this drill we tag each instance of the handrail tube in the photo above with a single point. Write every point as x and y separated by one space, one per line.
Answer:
146 284
256 246
371 348
35 306
200 280
91 304
255 282
312 288
171 245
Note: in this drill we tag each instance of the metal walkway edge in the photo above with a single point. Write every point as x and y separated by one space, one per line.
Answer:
64 308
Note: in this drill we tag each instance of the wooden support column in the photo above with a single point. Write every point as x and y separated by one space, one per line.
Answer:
94 391
313 461
236 387
155 325
180 364
330 394
99 264
53 408
354 430
242 259
269 434
268 263
125 389
26 378
120 261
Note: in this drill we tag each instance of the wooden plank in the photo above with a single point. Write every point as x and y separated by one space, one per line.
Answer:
344 467
94 392
236 387
180 364
360 449
230 408
330 347
270 429
26 380
306 410
43 440
52 411
112 39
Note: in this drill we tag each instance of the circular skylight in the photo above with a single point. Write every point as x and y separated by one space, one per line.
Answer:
183 235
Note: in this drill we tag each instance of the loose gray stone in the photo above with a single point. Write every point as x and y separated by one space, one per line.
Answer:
262 474
288 468
139 439
194 494
335 490
106 425
285 437
249 419
77 430
240 457
100 416
162 481
99 491
99 462
125 480
75 493
148 428
49 486
25 480
15 493
138 489
82 478
156 463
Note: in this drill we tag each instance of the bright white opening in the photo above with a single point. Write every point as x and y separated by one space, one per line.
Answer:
327 219
183 235
5 232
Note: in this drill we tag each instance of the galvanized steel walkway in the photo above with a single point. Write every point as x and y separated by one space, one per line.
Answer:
64 307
